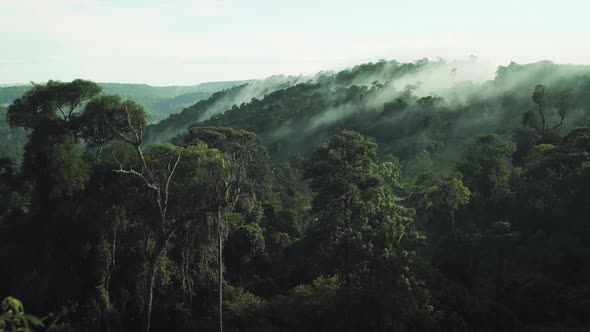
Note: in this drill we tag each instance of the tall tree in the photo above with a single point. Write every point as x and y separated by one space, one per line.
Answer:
363 232
244 174
439 194
168 174
51 112
543 101
486 167
55 166
540 99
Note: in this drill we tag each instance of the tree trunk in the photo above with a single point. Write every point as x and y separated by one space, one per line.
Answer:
151 280
543 122
220 269
453 229
112 263
110 269
151 277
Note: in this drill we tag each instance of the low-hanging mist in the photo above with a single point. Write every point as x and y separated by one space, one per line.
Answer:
410 108
426 196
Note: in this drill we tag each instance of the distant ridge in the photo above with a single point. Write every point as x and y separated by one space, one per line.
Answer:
159 101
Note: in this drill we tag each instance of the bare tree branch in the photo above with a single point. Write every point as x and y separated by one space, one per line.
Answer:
166 194
119 133
131 171
138 138
98 152
62 113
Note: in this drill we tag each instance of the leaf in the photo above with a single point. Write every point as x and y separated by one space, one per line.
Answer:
12 304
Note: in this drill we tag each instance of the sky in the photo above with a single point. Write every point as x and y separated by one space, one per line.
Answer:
185 42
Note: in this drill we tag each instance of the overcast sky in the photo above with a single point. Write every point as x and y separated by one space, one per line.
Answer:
186 42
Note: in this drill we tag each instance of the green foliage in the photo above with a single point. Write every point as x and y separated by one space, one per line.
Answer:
246 159
346 203
105 115
14 318
13 140
242 304
441 191
68 170
486 166
54 100
159 102
308 307
364 233
323 290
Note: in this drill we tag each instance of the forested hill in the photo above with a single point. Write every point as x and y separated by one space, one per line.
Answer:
218 103
427 196
413 110
361 75
159 102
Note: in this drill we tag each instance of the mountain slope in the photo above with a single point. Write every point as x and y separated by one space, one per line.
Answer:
159 102
218 102
408 110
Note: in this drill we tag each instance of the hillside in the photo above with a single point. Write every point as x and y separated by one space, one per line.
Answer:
361 75
159 102
217 103
411 109
425 196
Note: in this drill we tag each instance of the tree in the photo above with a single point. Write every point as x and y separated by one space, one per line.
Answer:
54 101
563 107
338 171
486 167
52 111
363 232
542 101
440 193
244 173
166 173
58 172
102 119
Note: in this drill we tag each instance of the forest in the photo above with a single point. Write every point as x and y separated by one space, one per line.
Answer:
158 102
388 196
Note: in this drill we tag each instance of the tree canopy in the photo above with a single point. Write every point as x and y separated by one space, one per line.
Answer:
336 202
